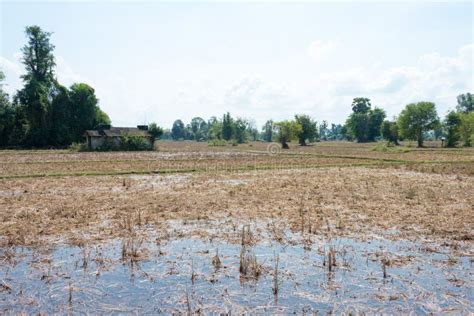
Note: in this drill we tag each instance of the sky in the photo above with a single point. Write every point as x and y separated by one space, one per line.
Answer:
156 61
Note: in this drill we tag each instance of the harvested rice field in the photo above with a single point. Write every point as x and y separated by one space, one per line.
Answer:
335 227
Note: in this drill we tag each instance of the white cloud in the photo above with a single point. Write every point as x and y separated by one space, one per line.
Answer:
12 69
319 50
164 94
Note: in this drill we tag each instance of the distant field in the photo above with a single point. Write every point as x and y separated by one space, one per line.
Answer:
398 225
200 157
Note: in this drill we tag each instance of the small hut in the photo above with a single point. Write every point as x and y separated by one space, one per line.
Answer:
108 134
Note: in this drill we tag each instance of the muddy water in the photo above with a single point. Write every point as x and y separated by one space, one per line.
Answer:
178 275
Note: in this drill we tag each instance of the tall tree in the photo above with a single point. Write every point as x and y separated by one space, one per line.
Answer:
6 114
364 123
466 129
361 105
198 128
227 126
308 131
267 131
39 81
178 130
214 128
465 103
86 113
389 131
155 131
451 125
323 130
287 131
376 117
240 130
416 119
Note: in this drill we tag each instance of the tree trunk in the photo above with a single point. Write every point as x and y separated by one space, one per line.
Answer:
420 139
284 145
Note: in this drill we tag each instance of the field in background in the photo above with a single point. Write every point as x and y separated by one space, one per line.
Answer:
179 157
263 231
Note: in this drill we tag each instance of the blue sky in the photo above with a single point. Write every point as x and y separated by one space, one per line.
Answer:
158 61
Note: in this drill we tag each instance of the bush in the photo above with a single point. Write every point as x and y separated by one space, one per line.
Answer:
134 143
78 147
216 142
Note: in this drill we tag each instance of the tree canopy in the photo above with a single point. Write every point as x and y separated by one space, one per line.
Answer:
416 119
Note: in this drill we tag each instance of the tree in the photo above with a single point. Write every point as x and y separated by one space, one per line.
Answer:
323 130
308 129
155 131
267 131
39 81
466 128
336 132
62 119
361 105
227 126
240 130
416 119
465 103
389 131
376 117
178 130
198 128
214 128
252 130
287 131
451 125
6 114
364 123
86 113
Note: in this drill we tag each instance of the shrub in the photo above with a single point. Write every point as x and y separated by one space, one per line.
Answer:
78 147
134 143
216 142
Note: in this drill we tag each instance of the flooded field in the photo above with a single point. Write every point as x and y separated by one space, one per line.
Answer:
234 232
297 273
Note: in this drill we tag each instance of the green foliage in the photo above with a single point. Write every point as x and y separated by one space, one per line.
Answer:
308 131
465 103
364 123
214 128
44 113
466 129
361 105
287 131
134 143
240 131
227 126
178 130
78 147
217 142
416 119
155 131
267 131
7 114
198 129
451 125
389 131
323 130
38 56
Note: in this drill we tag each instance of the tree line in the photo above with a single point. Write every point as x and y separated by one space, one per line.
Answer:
417 121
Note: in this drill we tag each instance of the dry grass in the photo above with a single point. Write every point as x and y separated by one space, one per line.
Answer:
297 191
